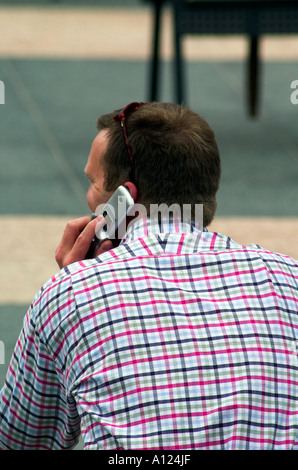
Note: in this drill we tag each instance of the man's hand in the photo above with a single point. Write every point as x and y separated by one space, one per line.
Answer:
76 239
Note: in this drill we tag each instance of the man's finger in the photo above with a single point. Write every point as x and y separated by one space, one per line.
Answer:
107 245
84 239
72 231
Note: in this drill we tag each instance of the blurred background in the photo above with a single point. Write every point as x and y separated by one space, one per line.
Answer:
63 63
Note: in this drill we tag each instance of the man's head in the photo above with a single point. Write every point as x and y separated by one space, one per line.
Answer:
174 152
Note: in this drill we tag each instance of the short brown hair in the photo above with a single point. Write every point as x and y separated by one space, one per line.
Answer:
176 158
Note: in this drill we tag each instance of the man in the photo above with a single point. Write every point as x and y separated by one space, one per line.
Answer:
177 338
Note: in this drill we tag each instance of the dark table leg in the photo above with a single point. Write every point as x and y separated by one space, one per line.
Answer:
155 57
253 76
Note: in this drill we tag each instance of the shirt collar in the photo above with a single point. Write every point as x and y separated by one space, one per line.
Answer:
170 233
147 226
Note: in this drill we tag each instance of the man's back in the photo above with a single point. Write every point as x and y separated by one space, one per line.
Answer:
175 340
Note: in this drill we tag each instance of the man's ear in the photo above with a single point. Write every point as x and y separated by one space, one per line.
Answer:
132 189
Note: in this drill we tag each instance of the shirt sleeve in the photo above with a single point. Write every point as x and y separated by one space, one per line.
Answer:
35 411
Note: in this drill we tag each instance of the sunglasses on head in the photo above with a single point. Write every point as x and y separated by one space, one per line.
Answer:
122 117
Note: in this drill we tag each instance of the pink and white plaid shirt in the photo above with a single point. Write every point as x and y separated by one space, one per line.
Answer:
177 339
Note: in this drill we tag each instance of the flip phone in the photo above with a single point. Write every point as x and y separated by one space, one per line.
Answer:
115 212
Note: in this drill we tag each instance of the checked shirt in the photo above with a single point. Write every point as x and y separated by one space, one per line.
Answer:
177 339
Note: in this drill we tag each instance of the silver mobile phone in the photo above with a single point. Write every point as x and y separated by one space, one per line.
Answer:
115 212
